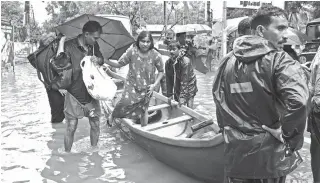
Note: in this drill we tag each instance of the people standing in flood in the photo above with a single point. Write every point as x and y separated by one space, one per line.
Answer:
261 95
314 117
186 46
244 27
180 76
162 48
169 37
78 102
141 79
56 97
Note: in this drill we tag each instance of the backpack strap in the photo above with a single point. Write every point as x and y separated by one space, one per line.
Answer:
39 73
314 127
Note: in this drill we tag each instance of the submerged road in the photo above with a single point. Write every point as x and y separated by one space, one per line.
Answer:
32 148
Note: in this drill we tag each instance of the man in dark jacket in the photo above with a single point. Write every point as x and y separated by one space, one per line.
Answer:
78 102
314 117
261 95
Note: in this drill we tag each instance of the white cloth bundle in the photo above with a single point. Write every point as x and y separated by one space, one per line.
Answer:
99 84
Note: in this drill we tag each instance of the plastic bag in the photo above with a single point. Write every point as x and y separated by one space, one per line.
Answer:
98 83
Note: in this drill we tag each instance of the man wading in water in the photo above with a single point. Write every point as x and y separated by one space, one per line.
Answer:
78 102
261 95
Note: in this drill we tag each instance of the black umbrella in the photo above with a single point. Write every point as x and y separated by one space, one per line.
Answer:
114 40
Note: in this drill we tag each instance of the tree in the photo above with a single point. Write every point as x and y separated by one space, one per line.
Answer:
13 10
150 11
238 12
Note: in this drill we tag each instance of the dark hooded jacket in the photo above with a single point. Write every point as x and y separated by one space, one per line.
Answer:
257 85
180 79
314 117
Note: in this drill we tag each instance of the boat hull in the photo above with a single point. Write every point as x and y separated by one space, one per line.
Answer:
204 163
201 162
199 157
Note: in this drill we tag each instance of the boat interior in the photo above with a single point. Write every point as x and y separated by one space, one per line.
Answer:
170 120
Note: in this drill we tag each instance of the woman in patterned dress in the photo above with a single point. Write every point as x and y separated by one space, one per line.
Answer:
141 80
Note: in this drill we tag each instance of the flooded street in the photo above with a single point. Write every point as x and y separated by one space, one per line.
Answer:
32 147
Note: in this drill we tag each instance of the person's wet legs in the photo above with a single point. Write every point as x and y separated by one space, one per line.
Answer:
69 136
56 102
163 84
95 123
190 102
94 130
144 118
315 158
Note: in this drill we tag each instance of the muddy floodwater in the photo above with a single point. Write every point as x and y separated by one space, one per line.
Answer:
32 147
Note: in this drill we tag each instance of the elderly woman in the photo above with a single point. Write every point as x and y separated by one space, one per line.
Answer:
141 80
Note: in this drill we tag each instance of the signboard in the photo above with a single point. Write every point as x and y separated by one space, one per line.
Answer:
247 4
8 31
217 6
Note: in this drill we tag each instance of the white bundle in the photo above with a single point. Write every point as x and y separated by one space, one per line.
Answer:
99 84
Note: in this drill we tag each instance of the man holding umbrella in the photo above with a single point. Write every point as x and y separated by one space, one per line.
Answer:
78 102
88 34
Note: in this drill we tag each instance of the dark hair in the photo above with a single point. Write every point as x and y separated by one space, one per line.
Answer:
91 27
264 15
142 35
170 31
46 39
244 25
180 34
174 44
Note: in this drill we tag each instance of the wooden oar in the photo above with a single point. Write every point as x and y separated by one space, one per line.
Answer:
196 127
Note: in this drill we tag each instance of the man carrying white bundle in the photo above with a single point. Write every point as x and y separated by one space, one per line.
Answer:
78 102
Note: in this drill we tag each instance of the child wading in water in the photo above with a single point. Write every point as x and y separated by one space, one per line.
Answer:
180 77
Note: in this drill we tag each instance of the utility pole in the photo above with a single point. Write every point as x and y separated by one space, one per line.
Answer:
27 21
205 7
208 5
26 18
139 14
224 34
186 12
165 15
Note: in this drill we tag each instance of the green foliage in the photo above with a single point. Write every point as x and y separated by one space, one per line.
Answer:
13 11
237 12
150 11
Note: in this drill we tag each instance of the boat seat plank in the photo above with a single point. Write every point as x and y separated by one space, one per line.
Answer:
187 110
119 91
170 122
164 52
158 107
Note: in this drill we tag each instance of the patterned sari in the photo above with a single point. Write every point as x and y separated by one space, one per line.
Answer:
141 74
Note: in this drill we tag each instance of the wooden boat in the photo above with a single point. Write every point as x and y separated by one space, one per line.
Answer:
178 137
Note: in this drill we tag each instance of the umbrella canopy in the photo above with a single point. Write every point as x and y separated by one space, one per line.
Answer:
192 28
199 28
296 37
114 39
232 25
